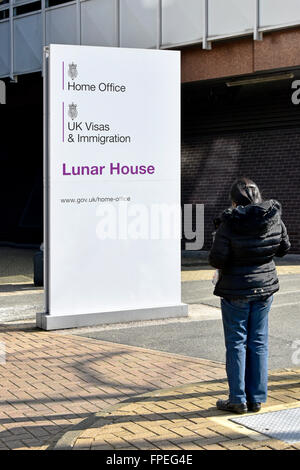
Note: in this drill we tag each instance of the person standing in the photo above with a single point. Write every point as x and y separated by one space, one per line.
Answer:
249 234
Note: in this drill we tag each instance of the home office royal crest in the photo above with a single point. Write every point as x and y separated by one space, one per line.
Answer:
73 72
73 113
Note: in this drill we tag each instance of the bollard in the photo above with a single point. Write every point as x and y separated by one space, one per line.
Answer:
39 268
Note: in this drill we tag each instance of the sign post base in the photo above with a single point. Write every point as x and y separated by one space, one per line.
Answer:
59 322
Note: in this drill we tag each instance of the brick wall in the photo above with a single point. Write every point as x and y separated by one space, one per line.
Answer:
271 158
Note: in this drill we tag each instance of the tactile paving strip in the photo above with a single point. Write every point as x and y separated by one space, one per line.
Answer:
283 425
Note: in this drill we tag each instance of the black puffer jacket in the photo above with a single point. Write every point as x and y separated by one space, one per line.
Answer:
244 246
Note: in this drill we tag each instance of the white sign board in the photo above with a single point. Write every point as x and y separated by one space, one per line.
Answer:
112 161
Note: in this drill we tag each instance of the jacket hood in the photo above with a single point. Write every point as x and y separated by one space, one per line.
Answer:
254 219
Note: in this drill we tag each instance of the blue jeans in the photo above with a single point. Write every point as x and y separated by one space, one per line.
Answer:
245 324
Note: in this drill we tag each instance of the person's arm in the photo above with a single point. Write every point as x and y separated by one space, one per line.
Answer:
220 250
284 243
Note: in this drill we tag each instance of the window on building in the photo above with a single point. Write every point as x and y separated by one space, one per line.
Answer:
54 3
27 8
4 14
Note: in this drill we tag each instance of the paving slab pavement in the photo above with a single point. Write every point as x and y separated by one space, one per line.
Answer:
51 381
54 385
57 391
183 418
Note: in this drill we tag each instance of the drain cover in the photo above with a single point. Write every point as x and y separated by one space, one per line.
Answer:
283 425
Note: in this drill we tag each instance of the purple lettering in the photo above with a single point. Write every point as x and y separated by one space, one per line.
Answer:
64 170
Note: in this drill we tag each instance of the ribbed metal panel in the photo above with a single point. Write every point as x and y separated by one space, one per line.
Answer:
283 425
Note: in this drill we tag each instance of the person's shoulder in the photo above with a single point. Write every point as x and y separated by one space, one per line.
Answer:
227 216
224 222
273 204
274 211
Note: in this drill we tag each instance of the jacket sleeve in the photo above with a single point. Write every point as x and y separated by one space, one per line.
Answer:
284 243
220 250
